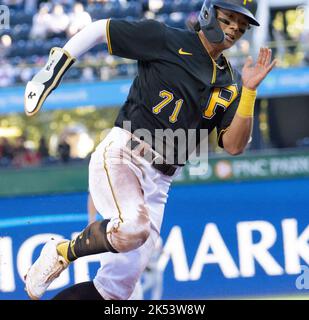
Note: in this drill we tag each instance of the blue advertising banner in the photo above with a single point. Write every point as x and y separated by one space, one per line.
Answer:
70 95
285 82
280 83
231 240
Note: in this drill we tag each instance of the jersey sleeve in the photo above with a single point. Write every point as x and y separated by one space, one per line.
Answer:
140 40
226 120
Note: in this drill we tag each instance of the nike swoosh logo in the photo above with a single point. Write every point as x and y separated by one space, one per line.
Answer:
180 51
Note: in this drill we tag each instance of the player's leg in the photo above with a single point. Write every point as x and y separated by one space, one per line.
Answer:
127 228
87 291
120 191
80 291
118 195
119 274
117 277
138 293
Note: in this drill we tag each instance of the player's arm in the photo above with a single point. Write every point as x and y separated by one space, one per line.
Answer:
60 60
236 137
139 40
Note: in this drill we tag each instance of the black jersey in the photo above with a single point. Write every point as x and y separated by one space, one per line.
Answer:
178 85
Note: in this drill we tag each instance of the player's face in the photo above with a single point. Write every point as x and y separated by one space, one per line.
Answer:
233 24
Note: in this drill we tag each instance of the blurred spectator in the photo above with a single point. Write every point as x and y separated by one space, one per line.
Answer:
60 22
305 44
304 39
98 1
41 23
105 73
79 18
68 3
280 47
155 5
303 143
5 45
30 158
15 4
6 152
7 73
43 151
238 54
88 74
64 149
19 151
31 6
24 157
150 15
25 73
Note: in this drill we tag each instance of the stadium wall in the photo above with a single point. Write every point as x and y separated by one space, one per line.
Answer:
72 177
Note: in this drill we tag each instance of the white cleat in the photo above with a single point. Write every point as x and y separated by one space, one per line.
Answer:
45 270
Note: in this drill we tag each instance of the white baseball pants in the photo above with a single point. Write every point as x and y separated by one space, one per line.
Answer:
126 189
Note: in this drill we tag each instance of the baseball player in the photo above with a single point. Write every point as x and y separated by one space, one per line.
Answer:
184 82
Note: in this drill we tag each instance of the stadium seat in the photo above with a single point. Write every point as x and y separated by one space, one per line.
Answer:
22 17
57 42
21 31
110 10
21 45
38 47
132 9
167 7
15 61
30 48
33 59
99 48
173 13
6 31
196 5
181 6
13 18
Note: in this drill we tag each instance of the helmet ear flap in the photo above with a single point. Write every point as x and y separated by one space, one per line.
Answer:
210 25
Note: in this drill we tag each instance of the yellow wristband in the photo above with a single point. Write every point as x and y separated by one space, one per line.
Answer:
246 104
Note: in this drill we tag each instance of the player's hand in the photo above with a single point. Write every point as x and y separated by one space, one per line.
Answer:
254 74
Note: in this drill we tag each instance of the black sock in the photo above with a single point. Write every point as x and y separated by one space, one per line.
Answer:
92 240
80 291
